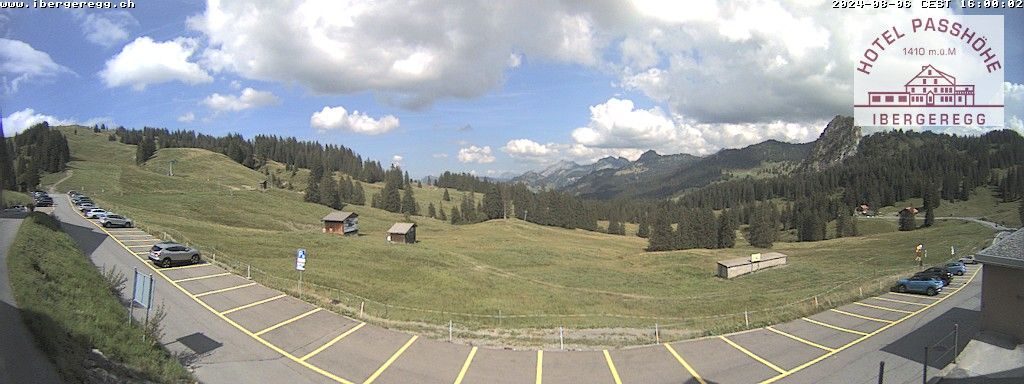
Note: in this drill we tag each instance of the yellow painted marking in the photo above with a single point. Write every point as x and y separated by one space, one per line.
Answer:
860 316
800 339
184 266
899 301
685 364
910 295
216 291
540 365
202 277
611 366
752 355
250 305
391 360
123 240
330 343
826 325
465 366
273 347
855 342
881 307
289 321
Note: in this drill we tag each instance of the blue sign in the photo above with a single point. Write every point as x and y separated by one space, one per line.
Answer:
142 291
300 259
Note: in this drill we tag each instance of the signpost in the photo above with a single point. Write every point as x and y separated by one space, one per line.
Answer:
300 265
142 294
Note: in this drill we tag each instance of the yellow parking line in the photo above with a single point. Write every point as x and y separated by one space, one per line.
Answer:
826 325
202 277
916 296
899 301
881 307
226 319
611 366
861 316
186 266
800 339
540 365
465 366
685 364
289 321
391 360
250 305
752 355
123 240
224 290
330 343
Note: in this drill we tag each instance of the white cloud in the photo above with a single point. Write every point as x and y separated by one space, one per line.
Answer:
1013 96
105 29
25 118
20 63
410 53
530 150
474 154
249 98
187 117
357 122
144 61
396 160
440 155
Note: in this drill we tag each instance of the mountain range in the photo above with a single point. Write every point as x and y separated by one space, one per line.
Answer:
653 175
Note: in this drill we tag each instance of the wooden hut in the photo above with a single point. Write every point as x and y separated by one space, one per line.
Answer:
342 223
402 233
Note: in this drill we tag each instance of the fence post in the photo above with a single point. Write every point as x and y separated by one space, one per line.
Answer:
861 291
449 331
881 372
248 272
657 335
746 319
924 377
561 339
361 303
815 301
956 341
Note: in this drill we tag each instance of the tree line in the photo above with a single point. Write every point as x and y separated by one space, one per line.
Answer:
30 153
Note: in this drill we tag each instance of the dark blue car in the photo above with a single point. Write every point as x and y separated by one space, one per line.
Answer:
920 284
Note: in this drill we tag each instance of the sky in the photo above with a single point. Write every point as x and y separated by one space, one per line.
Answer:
492 88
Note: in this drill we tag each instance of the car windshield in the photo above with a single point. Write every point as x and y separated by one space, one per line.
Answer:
114 217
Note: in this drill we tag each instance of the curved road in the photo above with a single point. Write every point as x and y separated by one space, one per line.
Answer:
238 331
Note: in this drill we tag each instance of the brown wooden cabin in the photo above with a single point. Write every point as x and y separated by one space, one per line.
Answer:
342 223
402 233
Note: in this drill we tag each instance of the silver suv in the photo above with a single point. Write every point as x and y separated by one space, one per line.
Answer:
115 220
166 253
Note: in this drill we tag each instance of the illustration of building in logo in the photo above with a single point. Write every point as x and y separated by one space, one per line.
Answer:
929 88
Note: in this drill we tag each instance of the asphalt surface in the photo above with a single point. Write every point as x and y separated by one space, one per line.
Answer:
21 361
238 331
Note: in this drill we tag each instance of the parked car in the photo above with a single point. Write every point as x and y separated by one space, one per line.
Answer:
44 201
85 207
938 272
969 259
17 208
956 268
115 220
95 213
920 284
80 200
167 253
72 193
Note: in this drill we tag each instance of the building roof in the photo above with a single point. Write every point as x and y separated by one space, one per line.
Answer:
746 260
402 228
1007 251
339 216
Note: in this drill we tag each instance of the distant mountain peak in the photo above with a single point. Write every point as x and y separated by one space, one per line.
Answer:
650 154
837 142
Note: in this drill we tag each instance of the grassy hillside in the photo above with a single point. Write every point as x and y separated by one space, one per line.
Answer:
533 276
983 204
12 198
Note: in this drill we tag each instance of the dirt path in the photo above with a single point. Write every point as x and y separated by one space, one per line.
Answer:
53 188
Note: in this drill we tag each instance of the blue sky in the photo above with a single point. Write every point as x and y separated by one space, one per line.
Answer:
458 85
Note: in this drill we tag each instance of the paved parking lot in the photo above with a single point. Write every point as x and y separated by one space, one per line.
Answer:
346 350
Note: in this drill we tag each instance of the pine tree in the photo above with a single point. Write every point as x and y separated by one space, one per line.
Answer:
1020 211
409 205
456 216
7 176
613 227
929 216
842 225
492 204
145 150
391 199
446 197
726 230
762 227
431 212
312 194
441 215
661 232
358 194
907 220
645 227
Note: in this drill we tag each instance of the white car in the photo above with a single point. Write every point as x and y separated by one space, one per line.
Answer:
94 213
115 220
969 259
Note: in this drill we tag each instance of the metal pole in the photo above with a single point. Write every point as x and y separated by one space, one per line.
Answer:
131 303
924 378
881 372
657 334
300 284
449 331
956 341
561 338
361 303
248 272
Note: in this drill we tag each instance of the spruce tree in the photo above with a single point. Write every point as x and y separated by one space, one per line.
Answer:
431 212
661 232
456 216
391 199
7 175
358 194
492 204
842 225
907 220
446 197
645 227
409 205
762 227
145 150
929 216
441 215
726 230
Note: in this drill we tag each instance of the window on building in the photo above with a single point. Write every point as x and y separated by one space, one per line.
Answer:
888 99
903 99
876 98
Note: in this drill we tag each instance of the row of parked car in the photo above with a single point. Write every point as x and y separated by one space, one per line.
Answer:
42 199
91 211
931 281
164 254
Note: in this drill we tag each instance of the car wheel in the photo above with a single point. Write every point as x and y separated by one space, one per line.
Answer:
130 225
106 225
960 273
901 289
166 263
932 291
195 259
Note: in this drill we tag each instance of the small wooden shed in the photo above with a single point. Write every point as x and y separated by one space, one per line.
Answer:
731 268
402 233
342 223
